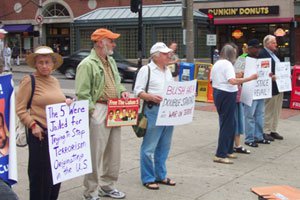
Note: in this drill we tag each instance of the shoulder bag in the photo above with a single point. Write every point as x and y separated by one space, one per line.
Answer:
21 129
141 127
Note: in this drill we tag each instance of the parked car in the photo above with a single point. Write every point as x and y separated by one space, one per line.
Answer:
126 69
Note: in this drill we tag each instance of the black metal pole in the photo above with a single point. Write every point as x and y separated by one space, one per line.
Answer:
140 35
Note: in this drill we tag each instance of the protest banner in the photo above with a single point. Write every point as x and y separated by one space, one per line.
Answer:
69 143
177 106
8 151
261 88
283 76
121 112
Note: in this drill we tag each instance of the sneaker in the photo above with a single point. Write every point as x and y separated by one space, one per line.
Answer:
113 194
90 198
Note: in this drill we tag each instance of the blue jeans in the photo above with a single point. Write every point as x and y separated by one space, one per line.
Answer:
254 120
225 103
239 119
155 148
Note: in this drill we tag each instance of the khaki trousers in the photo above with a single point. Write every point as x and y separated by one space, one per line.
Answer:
105 152
273 108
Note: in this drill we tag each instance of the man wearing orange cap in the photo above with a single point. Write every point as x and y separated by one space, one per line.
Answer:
97 80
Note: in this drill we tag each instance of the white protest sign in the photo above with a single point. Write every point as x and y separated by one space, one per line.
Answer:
69 143
263 87
283 76
177 106
248 87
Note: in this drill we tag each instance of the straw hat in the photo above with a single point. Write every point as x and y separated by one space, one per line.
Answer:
44 50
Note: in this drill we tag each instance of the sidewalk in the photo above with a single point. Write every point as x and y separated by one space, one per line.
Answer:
190 164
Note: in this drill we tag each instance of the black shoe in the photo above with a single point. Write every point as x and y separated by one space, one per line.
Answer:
268 137
276 136
263 141
251 144
241 150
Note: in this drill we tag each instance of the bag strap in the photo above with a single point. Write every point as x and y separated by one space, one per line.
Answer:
147 87
32 90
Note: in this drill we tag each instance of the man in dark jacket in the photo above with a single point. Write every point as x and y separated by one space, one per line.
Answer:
273 105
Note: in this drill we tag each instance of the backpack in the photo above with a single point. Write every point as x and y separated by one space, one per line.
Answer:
21 129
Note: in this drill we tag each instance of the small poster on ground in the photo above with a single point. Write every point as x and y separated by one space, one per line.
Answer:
122 112
69 142
280 192
283 76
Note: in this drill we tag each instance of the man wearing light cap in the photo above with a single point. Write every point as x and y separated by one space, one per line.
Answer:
97 80
157 141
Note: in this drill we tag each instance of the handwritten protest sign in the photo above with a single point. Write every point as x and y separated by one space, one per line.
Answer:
177 106
121 112
263 87
283 76
260 88
69 144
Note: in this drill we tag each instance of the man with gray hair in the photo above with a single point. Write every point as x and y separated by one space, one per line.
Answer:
98 80
157 141
273 105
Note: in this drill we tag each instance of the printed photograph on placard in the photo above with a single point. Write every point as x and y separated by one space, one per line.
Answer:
121 112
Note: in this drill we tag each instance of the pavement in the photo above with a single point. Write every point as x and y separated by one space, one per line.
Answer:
190 163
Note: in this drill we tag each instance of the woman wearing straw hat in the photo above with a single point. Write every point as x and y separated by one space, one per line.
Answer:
47 91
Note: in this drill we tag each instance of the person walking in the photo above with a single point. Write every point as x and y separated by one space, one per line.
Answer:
157 140
16 55
97 80
273 105
224 83
7 58
47 91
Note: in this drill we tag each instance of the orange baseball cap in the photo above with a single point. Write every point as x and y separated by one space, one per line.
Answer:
101 33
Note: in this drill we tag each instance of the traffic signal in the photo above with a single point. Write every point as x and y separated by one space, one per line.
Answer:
134 5
210 21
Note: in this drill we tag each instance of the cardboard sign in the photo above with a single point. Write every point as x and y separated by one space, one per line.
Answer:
177 106
283 76
69 142
277 192
261 88
121 112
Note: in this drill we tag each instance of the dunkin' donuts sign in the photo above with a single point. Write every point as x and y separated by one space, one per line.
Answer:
242 11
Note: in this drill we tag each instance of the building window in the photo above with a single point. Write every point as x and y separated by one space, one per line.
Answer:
55 10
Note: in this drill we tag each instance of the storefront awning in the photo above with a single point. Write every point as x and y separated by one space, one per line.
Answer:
253 21
18 28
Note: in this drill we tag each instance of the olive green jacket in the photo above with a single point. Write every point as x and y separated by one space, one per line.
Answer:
90 82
